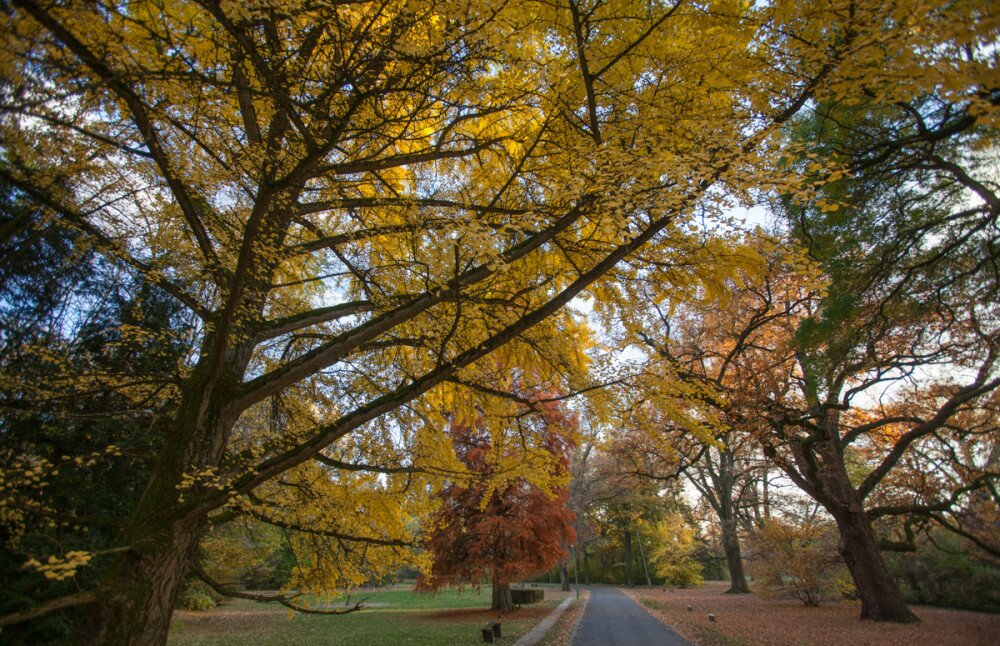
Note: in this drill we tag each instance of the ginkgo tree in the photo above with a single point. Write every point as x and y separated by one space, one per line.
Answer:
356 203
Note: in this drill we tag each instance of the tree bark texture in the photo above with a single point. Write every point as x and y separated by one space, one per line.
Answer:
881 599
502 601
734 559
135 601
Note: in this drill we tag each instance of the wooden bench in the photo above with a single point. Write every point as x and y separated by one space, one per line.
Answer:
491 632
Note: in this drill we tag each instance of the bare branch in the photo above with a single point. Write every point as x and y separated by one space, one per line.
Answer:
78 599
284 599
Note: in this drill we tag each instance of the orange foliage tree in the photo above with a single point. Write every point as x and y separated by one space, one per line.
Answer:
508 531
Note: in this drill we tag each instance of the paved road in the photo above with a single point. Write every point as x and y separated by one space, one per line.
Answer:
613 619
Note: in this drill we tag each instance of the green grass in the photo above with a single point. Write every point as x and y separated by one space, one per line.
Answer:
397 616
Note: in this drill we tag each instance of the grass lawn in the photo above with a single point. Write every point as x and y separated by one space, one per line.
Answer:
393 616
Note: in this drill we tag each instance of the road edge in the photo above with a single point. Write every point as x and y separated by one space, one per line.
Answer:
537 633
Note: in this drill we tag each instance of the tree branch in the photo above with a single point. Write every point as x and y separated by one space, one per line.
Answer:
78 599
283 599
277 327
964 394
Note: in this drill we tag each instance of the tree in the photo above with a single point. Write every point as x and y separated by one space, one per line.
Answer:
700 352
57 299
946 481
903 231
673 557
507 532
356 203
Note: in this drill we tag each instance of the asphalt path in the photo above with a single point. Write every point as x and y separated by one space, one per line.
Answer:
611 618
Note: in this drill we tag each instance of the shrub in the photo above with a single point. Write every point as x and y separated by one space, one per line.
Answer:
799 560
197 596
673 557
270 572
947 576
685 573
527 595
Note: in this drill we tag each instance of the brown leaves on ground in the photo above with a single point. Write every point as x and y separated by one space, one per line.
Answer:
565 629
752 620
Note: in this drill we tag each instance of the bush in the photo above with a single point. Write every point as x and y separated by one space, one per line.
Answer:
685 573
197 596
673 556
799 560
270 572
948 577
526 595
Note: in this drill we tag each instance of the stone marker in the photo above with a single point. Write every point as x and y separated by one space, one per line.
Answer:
711 616
690 608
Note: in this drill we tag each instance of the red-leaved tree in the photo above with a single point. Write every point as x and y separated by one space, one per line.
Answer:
520 530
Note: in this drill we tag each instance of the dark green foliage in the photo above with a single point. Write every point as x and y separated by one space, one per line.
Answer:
904 245
62 307
270 573
948 576
713 564
527 595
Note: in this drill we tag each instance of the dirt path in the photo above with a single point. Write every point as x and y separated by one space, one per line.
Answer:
613 619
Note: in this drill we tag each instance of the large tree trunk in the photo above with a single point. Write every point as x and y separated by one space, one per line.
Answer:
881 599
564 575
136 598
586 566
734 560
502 601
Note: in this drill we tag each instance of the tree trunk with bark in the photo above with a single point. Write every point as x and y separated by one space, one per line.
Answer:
734 559
564 575
136 599
822 471
629 579
502 601
880 596
718 489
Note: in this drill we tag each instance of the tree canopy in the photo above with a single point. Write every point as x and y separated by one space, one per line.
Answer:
339 223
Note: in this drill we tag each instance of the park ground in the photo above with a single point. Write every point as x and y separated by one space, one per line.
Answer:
754 620
393 615
397 615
